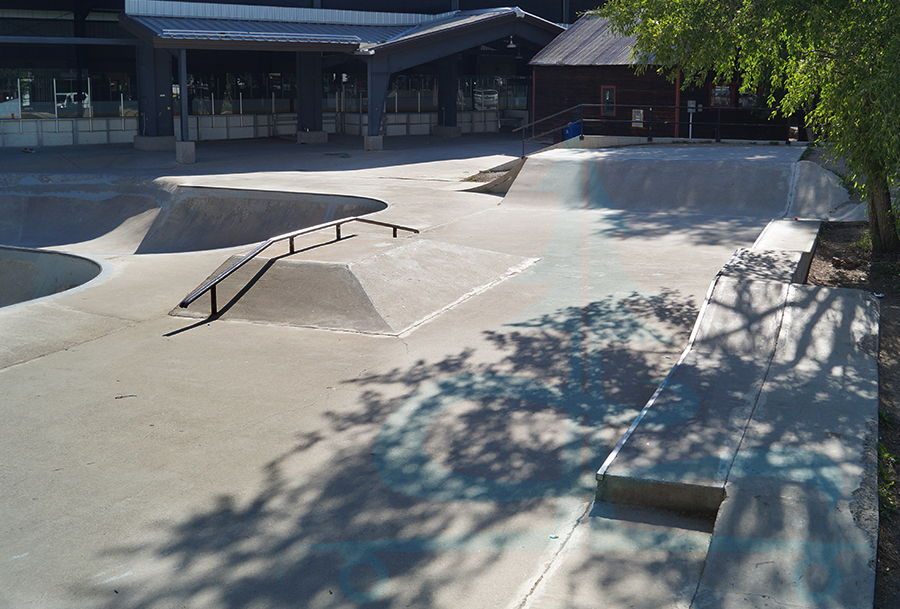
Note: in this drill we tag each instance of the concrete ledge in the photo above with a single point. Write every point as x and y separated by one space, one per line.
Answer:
799 523
685 498
793 236
767 265
445 131
769 423
185 153
373 142
312 137
161 143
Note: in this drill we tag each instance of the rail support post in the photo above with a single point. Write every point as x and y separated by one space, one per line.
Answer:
719 125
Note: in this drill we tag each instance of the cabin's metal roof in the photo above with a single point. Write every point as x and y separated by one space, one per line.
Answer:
590 41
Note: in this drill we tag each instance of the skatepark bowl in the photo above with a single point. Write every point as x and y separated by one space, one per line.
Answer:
27 274
115 216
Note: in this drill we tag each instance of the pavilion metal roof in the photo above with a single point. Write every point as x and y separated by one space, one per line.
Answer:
195 25
590 41
275 32
451 24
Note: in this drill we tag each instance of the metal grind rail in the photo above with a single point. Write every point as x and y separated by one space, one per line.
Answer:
210 285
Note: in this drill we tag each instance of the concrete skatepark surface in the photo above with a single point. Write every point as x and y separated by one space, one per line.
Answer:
160 461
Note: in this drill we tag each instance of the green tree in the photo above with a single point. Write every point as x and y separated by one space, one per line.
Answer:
836 60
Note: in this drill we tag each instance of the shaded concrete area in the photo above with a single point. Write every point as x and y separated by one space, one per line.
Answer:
27 274
158 461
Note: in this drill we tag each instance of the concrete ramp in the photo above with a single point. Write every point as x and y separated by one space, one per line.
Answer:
748 181
381 293
52 213
120 216
199 218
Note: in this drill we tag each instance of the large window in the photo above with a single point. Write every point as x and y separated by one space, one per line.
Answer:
608 101
64 93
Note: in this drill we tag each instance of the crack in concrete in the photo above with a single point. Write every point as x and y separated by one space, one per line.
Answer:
553 559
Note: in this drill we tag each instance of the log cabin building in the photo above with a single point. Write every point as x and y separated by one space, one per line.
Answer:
590 68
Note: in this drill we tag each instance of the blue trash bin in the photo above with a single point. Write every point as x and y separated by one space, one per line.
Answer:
571 130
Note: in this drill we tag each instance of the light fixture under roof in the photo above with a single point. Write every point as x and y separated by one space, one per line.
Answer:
511 44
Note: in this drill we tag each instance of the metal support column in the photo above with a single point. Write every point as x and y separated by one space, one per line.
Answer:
309 91
183 94
448 75
379 78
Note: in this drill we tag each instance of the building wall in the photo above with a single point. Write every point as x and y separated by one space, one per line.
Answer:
558 88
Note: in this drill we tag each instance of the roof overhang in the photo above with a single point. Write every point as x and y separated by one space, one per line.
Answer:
187 25
214 35
483 26
403 40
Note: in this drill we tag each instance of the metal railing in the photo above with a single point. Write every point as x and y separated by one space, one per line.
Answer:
648 123
210 285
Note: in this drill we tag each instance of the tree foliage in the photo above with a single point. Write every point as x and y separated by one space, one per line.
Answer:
836 60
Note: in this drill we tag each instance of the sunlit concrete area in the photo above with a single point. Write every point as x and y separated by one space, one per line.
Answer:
607 386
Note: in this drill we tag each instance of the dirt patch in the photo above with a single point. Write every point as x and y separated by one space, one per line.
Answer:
844 258
485 176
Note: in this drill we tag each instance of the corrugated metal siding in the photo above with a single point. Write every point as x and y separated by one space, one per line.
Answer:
202 29
589 42
162 8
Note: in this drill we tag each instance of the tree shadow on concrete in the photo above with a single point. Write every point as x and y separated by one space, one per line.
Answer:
437 477
786 424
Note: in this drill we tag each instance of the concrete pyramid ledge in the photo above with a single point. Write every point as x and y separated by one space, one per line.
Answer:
388 292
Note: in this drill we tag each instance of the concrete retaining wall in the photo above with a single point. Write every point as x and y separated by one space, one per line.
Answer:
35 133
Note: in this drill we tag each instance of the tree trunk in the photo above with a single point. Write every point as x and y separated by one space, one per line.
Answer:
882 223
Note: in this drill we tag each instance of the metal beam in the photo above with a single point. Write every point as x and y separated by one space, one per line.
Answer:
424 52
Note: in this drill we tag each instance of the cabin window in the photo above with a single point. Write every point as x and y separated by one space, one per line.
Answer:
747 100
608 98
720 96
